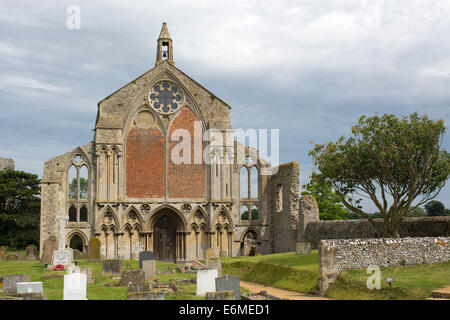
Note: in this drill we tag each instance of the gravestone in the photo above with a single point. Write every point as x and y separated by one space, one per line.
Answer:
31 252
75 286
29 287
139 287
133 276
215 264
145 255
3 249
1 255
61 257
10 282
206 281
94 249
149 268
12 257
88 272
146 295
223 254
49 246
112 267
229 283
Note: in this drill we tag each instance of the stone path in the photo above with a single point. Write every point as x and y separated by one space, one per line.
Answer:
280 293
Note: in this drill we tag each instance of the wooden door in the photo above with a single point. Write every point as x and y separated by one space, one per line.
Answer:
164 239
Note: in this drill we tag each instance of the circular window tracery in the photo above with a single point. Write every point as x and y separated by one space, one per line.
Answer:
165 97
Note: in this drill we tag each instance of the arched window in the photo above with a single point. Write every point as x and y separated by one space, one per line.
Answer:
244 183
254 182
84 182
78 188
244 213
72 214
73 182
83 214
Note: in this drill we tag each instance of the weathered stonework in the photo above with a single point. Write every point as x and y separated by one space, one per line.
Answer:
284 207
6 163
339 255
316 230
136 199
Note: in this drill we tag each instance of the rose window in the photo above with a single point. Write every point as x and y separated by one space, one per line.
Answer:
165 97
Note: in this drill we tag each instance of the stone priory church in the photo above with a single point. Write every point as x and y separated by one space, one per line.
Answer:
125 189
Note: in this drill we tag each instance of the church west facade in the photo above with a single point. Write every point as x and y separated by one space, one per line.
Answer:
126 188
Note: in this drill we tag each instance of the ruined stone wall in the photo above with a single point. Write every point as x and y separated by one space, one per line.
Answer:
6 163
336 256
284 207
353 229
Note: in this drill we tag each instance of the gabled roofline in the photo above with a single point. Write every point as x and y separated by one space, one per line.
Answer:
226 104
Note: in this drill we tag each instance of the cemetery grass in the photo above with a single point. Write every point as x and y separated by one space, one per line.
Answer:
53 281
300 273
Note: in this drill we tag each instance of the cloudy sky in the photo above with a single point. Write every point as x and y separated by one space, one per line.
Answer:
310 68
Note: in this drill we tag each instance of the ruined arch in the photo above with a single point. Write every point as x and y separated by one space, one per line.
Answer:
81 236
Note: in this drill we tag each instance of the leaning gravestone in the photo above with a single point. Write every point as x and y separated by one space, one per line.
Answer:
145 255
75 286
10 282
112 267
49 246
149 268
215 264
229 283
29 287
206 281
133 276
31 252
94 249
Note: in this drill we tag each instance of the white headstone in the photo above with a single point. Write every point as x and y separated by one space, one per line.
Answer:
206 281
29 287
75 286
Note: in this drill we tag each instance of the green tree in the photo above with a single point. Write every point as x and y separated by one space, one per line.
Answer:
388 160
330 205
435 208
417 212
19 208
255 214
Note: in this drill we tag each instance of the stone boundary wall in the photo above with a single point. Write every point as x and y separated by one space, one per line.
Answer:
315 231
338 255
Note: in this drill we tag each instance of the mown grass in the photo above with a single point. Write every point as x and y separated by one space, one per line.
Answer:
300 273
284 270
53 281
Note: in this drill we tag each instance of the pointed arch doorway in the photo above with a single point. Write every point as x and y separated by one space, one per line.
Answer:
168 236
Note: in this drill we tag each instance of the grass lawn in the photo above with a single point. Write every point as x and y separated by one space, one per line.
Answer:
53 287
284 270
300 273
